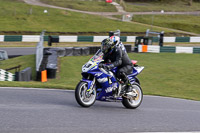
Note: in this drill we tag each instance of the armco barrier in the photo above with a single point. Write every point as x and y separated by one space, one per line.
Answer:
196 50
3 55
36 38
168 49
24 75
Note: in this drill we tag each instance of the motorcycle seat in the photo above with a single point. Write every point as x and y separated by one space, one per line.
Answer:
134 62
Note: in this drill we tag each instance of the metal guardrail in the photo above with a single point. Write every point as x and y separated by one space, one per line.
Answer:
39 51
17 68
3 55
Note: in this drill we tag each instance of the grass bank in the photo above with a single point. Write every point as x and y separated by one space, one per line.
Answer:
86 5
165 74
17 16
188 23
174 6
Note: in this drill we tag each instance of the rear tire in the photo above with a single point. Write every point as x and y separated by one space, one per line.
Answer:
135 102
82 97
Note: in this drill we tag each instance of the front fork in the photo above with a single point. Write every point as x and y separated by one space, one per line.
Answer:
91 85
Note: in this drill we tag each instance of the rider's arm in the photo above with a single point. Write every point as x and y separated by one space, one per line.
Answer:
105 59
118 59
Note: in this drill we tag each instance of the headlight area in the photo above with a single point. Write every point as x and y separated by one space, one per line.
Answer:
87 76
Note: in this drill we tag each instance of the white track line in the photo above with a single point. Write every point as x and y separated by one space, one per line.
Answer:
23 88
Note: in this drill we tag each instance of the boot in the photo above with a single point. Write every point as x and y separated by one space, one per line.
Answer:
126 82
114 90
128 89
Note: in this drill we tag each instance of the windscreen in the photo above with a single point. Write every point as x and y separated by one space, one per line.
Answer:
98 56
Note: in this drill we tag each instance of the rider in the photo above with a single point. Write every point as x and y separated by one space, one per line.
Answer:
117 58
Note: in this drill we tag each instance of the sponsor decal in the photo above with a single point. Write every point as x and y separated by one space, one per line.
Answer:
98 74
109 89
102 80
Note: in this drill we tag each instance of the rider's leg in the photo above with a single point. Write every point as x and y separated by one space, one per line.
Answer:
122 74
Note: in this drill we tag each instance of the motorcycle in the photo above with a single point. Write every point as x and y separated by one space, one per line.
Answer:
97 84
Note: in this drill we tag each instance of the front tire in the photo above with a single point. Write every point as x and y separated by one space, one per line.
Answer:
82 96
135 102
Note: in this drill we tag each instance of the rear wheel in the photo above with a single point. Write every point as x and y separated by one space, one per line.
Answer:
84 97
135 101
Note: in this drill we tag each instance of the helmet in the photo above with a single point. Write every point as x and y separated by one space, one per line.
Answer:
115 39
106 45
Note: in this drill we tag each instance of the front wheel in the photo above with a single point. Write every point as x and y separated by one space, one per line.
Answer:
84 97
135 101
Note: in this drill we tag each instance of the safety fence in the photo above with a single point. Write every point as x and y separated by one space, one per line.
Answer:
36 38
39 51
6 76
168 49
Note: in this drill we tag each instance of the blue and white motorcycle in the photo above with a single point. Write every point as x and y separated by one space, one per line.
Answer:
97 84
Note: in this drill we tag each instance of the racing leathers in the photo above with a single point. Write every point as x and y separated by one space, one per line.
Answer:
119 58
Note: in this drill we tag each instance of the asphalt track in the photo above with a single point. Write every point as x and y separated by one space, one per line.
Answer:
24 110
14 51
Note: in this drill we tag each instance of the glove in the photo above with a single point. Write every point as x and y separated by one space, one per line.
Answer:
101 65
109 67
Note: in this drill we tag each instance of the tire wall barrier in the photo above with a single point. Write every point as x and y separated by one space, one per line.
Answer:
36 38
168 49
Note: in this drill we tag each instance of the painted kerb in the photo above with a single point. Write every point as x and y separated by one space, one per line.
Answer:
158 49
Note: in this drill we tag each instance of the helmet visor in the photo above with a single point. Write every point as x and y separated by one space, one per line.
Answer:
104 48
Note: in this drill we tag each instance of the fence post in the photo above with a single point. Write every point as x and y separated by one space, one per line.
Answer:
39 52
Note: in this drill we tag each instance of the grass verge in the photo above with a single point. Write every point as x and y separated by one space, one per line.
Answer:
165 74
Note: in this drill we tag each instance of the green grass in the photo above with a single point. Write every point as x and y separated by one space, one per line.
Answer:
24 61
188 23
86 5
176 5
16 16
165 74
